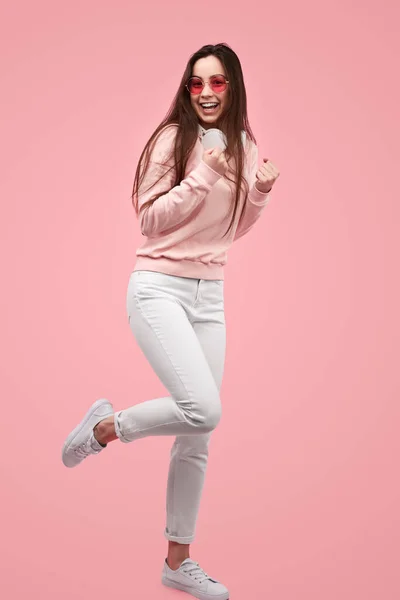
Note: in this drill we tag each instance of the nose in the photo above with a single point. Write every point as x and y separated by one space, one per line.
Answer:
204 92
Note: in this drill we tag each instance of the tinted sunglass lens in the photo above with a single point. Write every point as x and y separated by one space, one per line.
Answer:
195 86
218 84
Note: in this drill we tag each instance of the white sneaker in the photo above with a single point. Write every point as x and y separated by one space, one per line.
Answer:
81 441
191 578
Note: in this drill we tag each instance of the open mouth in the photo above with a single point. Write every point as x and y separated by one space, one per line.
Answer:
209 107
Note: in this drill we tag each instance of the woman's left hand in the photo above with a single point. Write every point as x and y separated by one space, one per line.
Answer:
266 175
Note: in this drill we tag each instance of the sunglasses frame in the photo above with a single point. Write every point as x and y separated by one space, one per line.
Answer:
204 83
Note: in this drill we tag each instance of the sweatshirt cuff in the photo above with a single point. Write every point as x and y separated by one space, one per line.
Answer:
206 173
258 198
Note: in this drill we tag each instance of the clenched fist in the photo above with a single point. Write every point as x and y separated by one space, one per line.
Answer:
266 175
215 159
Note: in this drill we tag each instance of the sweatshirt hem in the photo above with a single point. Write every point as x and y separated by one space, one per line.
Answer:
180 268
258 198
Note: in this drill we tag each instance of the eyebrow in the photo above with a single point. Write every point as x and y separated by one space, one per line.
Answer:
215 75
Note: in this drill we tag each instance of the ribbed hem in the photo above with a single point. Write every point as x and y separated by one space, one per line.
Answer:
259 198
206 173
180 268
177 539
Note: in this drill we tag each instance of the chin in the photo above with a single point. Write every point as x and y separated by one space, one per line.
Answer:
209 122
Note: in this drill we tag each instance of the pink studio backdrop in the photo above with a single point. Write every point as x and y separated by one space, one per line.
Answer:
302 493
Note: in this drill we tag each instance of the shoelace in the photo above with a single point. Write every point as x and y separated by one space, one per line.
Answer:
196 572
83 450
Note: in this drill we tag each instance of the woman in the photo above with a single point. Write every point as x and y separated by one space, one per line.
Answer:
190 209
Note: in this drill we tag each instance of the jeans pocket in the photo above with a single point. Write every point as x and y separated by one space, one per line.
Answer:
212 292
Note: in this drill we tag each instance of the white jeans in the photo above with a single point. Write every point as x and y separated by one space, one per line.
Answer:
179 324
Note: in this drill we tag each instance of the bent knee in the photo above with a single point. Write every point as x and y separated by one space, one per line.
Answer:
204 414
212 415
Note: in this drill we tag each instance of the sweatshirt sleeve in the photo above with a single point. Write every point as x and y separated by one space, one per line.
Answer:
175 206
256 201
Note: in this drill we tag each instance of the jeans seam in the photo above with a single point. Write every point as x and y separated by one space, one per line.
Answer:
137 302
153 426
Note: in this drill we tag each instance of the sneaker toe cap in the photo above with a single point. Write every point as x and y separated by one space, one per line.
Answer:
216 590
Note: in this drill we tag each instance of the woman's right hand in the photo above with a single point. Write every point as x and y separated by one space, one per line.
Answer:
215 159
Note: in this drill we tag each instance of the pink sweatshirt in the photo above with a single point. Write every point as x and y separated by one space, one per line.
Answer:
185 226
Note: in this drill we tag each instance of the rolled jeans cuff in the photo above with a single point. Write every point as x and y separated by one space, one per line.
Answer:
179 540
117 427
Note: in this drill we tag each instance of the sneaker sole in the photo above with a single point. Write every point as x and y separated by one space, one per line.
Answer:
178 586
79 428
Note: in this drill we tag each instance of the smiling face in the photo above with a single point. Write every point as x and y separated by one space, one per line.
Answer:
205 68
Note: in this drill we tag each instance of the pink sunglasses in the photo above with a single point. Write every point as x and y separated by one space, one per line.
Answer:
218 84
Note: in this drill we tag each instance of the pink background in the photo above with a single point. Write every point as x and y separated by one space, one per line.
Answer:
302 495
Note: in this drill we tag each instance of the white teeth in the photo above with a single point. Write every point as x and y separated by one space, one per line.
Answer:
209 105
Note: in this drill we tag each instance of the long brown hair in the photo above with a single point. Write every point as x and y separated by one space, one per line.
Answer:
232 122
